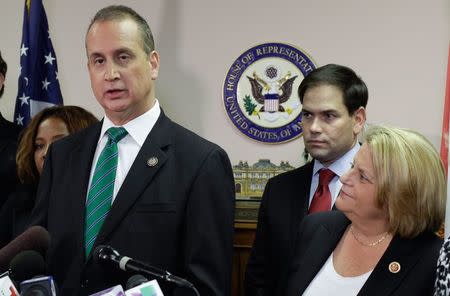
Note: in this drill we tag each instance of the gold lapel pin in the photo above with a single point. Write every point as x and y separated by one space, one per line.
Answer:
152 161
394 267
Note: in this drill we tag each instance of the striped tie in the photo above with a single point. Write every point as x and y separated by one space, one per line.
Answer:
102 187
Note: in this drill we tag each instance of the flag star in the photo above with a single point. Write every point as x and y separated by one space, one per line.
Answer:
49 58
23 50
19 120
45 84
20 70
56 73
24 99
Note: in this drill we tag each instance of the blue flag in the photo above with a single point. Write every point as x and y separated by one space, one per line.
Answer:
38 86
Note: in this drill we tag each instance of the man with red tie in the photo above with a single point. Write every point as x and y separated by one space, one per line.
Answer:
334 99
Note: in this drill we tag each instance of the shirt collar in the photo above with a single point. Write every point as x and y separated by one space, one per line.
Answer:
138 128
341 165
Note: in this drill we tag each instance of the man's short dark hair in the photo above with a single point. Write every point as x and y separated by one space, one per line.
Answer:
121 12
3 69
354 90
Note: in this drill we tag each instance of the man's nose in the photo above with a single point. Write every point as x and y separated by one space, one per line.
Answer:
112 72
316 125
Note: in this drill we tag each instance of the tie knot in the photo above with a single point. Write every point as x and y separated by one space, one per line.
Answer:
116 134
325 177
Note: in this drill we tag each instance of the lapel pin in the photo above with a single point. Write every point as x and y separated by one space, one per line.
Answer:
394 267
152 161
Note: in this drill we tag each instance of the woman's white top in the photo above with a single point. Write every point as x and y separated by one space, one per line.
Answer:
329 282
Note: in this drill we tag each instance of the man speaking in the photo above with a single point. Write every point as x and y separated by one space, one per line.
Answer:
136 181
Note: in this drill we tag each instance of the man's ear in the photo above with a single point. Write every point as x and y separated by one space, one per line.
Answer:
153 59
359 119
2 80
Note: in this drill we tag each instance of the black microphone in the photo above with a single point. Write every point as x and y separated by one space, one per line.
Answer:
108 254
34 238
27 264
28 268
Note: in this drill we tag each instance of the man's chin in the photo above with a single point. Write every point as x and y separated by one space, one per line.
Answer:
319 154
116 107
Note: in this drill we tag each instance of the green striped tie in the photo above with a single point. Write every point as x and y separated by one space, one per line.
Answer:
102 187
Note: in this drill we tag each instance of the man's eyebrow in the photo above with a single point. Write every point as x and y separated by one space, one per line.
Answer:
94 55
320 111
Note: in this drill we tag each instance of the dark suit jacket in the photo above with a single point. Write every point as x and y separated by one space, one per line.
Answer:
283 206
9 133
177 215
319 235
15 212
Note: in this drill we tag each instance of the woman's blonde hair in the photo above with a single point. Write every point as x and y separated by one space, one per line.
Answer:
410 177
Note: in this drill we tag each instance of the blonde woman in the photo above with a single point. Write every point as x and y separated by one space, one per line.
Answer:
382 240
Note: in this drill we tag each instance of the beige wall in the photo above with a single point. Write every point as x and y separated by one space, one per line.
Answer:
398 47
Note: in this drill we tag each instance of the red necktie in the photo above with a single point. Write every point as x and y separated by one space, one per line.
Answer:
321 201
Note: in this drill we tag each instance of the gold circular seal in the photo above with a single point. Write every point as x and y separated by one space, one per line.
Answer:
394 267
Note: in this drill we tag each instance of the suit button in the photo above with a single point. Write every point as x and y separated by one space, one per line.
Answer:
84 283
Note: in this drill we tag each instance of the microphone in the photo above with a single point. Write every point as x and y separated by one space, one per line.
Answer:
34 238
107 253
7 286
113 291
38 286
26 265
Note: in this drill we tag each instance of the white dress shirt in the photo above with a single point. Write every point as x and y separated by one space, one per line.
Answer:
138 130
339 167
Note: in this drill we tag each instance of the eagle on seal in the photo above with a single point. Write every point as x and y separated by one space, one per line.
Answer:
268 94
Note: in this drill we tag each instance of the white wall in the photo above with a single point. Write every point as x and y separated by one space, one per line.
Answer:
398 47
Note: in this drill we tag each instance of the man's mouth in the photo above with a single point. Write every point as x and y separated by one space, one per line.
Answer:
114 93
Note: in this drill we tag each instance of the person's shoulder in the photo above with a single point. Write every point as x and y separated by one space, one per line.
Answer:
9 130
294 175
187 139
430 241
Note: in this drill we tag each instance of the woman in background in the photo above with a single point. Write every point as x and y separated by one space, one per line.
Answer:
46 127
382 241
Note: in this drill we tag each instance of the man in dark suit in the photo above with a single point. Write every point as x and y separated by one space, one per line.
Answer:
170 200
334 99
9 133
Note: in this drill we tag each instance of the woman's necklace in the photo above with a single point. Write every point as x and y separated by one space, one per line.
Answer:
373 244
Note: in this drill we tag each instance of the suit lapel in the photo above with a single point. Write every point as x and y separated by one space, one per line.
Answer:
139 176
299 207
320 247
384 282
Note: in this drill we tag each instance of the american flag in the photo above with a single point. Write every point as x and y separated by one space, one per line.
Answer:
38 86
